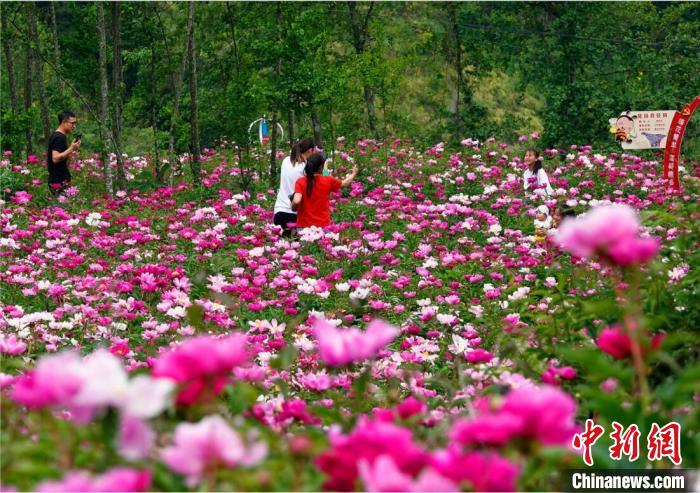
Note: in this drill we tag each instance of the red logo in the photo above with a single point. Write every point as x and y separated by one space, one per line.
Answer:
587 439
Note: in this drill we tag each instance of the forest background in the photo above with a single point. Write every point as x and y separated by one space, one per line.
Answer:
147 78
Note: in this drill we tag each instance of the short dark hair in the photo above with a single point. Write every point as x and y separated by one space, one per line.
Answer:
65 115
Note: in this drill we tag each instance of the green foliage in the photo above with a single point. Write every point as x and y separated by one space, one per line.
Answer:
558 68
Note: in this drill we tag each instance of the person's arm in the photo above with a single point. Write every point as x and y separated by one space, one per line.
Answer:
296 201
60 156
348 179
543 179
297 195
526 180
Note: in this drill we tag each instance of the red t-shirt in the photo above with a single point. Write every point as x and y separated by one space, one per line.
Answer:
316 210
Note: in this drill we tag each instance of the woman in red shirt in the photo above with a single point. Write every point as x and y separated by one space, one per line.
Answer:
312 193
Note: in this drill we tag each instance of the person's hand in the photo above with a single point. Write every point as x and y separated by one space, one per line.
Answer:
75 145
354 170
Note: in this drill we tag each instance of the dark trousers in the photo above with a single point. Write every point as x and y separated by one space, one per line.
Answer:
283 219
58 188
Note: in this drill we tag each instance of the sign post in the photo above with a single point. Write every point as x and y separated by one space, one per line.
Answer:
674 140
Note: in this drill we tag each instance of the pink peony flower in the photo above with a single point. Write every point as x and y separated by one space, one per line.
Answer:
55 380
136 438
21 197
488 429
545 414
114 480
87 385
209 443
610 231
11 345
339 347
485 472
634 251
202 364
383 475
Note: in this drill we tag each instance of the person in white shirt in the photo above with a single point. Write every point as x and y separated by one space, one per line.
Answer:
291 170
535 176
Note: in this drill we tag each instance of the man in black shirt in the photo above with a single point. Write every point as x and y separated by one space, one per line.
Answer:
59 151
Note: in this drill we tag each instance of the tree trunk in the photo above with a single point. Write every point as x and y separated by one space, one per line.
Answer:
118 97
9 63
360 34
273 147
290 127
104 96
38 69
43 101
154 120
457 59
56 47
371 112
316 125
194 118
28 80
178 83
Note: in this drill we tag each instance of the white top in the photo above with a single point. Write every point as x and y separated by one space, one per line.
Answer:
289 174
542 179
546 224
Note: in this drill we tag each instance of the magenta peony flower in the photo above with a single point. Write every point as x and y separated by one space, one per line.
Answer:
410 407
339 347
202 364
114 480
206 444
369 440
618 344
479 355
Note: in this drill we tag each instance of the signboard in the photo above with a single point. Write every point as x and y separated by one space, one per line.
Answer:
642 129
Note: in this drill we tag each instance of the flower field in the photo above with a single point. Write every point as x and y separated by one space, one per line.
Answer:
170 339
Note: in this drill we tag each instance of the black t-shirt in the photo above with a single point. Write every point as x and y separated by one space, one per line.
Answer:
58 171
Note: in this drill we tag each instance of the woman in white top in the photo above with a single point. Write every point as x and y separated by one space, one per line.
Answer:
535 175
292 169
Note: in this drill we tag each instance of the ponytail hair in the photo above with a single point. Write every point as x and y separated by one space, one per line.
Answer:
538 160
300 148
313 165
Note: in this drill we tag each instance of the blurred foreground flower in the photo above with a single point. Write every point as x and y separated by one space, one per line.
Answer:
117 479
619 345
201 447
339 347
202 364
544 414
609 231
